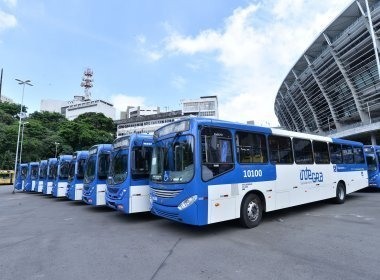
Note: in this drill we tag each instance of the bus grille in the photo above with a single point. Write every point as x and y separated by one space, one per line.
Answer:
171 216
112 190
166 193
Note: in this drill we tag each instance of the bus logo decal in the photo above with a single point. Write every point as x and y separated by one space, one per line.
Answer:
307 175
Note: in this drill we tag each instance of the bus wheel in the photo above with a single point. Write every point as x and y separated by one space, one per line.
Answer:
340 193
251 211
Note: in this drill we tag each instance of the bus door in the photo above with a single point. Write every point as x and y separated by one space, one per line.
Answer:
280 151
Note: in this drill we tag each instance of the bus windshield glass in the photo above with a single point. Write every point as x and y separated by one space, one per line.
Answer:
89 175
64 170
141 158
80 168
24 171
52 171
34 172
371 162
103 166
173 160
43 172
71 170
119 167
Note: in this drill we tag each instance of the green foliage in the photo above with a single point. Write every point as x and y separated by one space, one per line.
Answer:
44 129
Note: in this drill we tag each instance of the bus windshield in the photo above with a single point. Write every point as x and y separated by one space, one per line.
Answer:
64 170
52 171
119 167
173 160
103 166
371 162
43 172
80 168
71 170
89 175
140 161
34 172
24 171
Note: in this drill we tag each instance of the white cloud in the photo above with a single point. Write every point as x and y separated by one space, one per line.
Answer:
122 101
150 54
7 21
257 47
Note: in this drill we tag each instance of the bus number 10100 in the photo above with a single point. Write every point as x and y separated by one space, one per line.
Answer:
252 173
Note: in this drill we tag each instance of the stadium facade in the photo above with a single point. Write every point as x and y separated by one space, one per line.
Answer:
334 87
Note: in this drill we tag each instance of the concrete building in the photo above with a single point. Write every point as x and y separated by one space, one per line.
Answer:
138 111
334 87
75 108
53 105
205 106
79 105
148 122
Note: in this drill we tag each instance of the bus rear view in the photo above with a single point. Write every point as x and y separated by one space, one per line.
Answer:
95 176
128 181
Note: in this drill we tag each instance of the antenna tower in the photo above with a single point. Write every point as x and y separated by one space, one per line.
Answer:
87 83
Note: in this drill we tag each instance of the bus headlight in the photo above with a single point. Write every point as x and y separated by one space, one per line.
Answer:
187 202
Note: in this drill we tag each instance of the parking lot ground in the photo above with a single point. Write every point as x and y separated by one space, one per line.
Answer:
48 238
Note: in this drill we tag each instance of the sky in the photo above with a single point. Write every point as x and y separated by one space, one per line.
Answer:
159 52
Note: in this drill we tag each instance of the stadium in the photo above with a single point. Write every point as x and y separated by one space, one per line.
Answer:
334 87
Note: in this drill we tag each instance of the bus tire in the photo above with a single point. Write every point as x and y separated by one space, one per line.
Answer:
251 211
340 193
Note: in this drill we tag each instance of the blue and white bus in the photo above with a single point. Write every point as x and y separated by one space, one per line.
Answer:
96 174
60 183
373 160
206 171
76 175
22 171
32 176
128 181
51 175
42 175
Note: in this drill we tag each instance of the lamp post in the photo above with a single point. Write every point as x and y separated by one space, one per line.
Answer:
22 138
56 148
23 83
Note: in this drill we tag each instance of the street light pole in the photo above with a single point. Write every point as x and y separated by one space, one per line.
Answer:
56 148
22 138
23 83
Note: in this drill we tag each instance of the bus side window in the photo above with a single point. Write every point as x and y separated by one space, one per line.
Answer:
321 152
358 155
280 149
303 153
251 147
336 153
216 152
348 154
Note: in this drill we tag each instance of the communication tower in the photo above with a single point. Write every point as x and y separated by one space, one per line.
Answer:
87 83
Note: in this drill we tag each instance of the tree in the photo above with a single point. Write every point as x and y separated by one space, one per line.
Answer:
98 121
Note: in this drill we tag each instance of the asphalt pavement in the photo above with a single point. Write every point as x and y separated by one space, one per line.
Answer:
42 237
